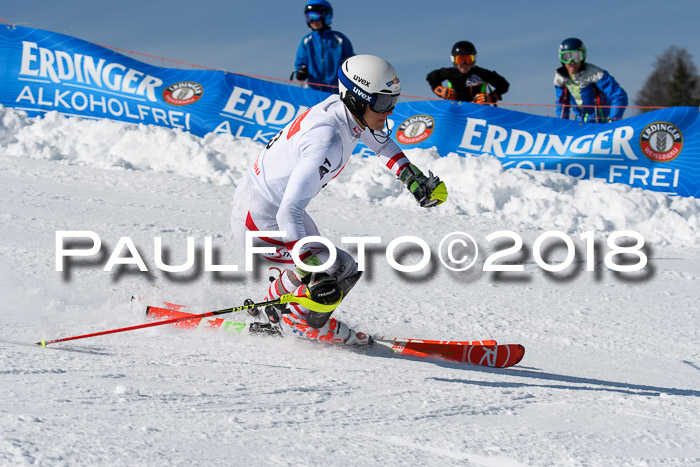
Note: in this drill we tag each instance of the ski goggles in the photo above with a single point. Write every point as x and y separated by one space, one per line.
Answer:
383 103
464 59
380 103
314 16
572 56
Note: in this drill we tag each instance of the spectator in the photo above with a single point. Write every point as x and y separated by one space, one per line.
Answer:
321 51
466 81
588 89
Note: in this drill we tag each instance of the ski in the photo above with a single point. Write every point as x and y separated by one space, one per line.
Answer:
484 353
227 325
425 342
479 352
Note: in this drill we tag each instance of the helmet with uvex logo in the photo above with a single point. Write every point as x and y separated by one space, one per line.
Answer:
368 80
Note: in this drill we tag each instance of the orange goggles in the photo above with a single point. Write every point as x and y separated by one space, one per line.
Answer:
465 59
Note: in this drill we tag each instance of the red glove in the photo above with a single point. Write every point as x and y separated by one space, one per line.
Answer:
446 93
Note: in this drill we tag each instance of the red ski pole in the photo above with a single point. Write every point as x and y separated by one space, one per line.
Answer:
289 298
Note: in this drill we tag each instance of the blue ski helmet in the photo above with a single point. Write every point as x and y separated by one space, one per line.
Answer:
318 9
568 49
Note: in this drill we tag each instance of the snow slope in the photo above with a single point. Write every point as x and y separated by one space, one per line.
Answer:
611 374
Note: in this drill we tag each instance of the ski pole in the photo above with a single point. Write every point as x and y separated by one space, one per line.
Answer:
304 301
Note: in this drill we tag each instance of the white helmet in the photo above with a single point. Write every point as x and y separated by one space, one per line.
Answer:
368 80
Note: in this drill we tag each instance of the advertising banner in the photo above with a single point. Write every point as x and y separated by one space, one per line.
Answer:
42 71
658 150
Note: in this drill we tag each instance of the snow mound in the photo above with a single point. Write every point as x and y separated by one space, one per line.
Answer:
478 186
218 159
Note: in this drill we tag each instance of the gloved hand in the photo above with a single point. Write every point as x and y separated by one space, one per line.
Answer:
446 93
483 98
323 288
302 73
428 191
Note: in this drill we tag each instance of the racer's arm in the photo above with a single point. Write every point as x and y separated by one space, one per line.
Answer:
320 155
428 191
388 152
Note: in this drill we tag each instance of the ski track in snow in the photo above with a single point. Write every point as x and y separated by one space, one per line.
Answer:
610 376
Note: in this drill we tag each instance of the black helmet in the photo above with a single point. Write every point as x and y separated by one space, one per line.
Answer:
463 48
572 44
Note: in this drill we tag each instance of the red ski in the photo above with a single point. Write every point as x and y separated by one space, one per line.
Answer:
482 352
228 324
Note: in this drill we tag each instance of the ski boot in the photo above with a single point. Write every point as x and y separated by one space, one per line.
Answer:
333 332
359 338
274 312
254 312
272 327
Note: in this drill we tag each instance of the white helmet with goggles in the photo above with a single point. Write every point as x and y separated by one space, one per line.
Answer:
368 80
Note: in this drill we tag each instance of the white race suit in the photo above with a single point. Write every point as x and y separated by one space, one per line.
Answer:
273 195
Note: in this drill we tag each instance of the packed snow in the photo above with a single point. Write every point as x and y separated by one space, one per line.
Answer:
611 374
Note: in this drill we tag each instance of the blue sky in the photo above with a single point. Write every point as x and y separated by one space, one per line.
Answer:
517 39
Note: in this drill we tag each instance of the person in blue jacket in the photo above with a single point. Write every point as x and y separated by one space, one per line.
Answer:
590 91
321 51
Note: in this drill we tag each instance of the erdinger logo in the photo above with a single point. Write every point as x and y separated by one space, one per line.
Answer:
183 93
415 129
661 141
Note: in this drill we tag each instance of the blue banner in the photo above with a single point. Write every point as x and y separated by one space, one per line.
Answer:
44 71
657 150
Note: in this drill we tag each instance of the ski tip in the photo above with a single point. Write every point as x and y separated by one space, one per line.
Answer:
518 354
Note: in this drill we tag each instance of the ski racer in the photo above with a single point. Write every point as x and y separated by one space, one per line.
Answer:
321 51
591 91
291 170
466 81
